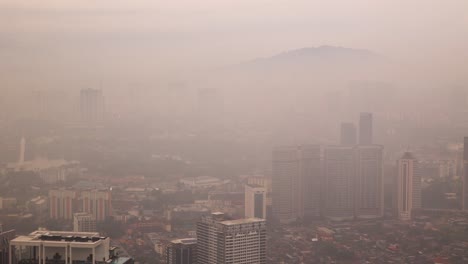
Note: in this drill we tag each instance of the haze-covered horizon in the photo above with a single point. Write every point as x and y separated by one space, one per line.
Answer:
87 43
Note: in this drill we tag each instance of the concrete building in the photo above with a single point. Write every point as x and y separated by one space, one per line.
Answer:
221 241
339 188
408 186
348 134
365 129
97 202
255 201
369 181
64 247
62 204
84 222
182 251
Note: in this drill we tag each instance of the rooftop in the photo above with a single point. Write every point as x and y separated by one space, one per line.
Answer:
60 236
185 241
242 221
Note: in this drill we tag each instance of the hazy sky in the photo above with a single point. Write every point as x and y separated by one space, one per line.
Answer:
83 39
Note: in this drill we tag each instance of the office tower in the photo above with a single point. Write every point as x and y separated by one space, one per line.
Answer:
62 204
97 202
348 134
5 237
91 105
84 222
365 129
296 182
221 241
465 175
255 201
182 251
369 181
339 176
409 186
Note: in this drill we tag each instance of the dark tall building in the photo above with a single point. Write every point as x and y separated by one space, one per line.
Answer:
5 238
91 105
365 129
182 251
369 181
348 134
296 182
465 175
339 183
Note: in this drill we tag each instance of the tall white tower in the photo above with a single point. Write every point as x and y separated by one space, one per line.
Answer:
409 186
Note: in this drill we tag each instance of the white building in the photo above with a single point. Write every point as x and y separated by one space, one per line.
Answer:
66 247
255 201
221 241
408 186
84 222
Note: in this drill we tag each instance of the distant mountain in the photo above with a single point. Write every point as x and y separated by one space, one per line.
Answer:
316 56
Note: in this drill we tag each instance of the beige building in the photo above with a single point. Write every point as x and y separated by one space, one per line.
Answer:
255 201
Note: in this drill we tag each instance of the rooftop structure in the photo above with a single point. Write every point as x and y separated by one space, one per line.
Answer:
65 247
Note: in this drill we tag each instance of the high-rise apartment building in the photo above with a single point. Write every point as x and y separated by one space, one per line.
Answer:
365 129
296 182
465 175
62 204
84 222
91 105
348 134
339 178
182 251
369 181
97 203
255 201
408 186
311 170
221 241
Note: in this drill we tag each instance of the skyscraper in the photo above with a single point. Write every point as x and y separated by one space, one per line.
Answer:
62 204
286 184
182 251
296 182
369 181
365 129
255 201
339 187
465 175
221 241
409 186
348 134
91 105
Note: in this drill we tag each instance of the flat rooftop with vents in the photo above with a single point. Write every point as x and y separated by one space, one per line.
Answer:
60 247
